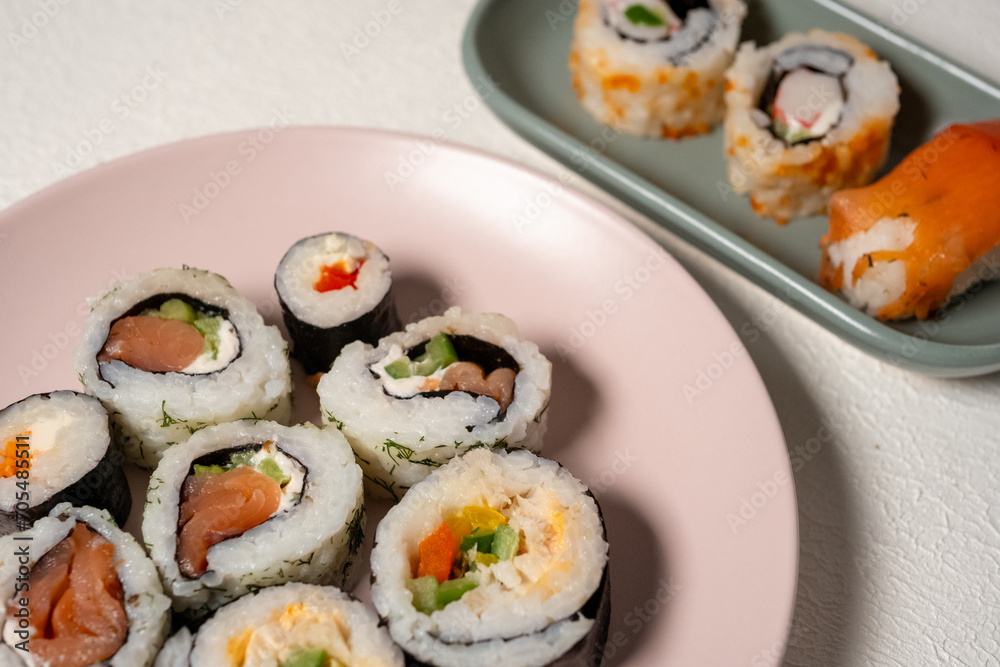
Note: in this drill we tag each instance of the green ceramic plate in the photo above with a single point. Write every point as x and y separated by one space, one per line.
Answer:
523 45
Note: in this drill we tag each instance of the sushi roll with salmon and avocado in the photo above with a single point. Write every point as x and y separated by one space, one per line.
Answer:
172 351
76 590
241 506
806 116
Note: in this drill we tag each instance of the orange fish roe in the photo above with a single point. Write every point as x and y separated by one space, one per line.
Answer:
8 464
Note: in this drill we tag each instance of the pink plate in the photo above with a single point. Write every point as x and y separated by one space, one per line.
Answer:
656 405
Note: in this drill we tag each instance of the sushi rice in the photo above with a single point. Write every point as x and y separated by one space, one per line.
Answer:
530 610
312 539
150 411
147 609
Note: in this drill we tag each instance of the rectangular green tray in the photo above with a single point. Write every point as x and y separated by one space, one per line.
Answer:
523 45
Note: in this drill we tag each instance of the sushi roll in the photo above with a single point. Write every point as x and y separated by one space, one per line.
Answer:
297 625
445 385
334 289
497 558
806 116
77 591
654 67
241 506
924 234
175 350
57 448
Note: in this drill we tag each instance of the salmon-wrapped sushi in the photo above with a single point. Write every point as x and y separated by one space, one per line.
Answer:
924 234
655 67
241 506
76 590
806 116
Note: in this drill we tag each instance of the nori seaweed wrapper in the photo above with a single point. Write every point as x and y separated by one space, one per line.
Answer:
316 347
589 651
105 486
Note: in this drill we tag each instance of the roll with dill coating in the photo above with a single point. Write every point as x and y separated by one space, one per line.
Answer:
292 624
172 351
497 558
242 506
444 386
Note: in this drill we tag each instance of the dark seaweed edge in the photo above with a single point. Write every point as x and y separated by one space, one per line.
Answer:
317 347
223 457
104 486
777 74
485 354
155 301
589 650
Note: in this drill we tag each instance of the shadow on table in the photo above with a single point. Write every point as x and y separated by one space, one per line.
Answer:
829 578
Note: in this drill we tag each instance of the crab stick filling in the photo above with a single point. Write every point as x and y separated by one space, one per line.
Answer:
219 502
440 369
807 105
176 337
77 613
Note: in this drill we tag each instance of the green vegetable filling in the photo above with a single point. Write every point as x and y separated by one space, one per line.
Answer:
781 129
438 353
207 325
479 539
267 466
643 15
430 596
505 543
305 657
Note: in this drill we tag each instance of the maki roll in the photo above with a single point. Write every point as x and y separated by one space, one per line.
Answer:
655 67
924 234
241 506
806 116
497 558
443 386
294 625
77 591
334 289
58 449
175 350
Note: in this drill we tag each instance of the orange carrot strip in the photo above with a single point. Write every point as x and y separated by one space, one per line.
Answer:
437 553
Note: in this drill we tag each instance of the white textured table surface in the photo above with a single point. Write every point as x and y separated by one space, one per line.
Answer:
899 509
